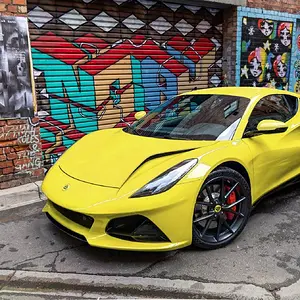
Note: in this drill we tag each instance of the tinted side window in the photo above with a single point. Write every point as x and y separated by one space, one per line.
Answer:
273 107
292 102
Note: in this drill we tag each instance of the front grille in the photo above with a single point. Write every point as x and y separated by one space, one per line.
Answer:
76 217
66 230
135 228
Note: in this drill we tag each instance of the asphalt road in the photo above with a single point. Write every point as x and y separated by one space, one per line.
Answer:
266 254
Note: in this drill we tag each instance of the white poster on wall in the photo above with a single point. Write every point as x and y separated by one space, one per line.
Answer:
16 98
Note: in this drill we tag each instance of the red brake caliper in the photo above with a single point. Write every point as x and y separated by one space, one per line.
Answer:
231 199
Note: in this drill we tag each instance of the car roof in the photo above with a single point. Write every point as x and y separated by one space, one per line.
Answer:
247 92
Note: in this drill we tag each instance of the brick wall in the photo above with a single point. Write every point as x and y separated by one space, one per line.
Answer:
20 147
20 152
13 7
229 45
289 6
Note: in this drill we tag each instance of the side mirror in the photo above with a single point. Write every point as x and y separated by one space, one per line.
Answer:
267 127
139 115
271 126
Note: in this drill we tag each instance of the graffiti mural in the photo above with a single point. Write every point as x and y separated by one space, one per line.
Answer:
15 81
98 63
295 84
266 53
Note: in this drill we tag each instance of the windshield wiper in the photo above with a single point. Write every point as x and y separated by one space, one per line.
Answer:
169 137
129 128
133 130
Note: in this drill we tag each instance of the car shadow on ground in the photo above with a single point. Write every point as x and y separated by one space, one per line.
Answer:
271 204
85 251
278 200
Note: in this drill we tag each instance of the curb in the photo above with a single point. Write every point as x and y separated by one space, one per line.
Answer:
138 286
20 196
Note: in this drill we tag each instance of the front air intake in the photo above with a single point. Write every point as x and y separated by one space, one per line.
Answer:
135 228
76 217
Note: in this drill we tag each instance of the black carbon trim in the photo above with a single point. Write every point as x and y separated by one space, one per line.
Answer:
66 230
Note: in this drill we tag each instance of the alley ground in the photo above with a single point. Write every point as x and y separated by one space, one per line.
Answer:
267 254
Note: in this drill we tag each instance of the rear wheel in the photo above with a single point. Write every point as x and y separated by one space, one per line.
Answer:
222 209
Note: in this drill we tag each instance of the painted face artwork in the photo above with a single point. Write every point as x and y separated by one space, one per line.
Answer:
281 69
257 60
284 32
280 66
266 52
255 67
266 27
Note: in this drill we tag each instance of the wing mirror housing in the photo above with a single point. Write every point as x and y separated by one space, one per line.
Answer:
268 127
271 126
139 115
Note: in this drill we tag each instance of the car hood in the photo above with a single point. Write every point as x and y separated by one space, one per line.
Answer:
109 157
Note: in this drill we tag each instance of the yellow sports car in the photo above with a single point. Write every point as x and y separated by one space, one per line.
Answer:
188 172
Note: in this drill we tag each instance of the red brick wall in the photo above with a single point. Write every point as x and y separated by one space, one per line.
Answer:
13 7
289 6
20 152
229 45
20 147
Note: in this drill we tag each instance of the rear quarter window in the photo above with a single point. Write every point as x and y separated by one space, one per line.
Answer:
293 103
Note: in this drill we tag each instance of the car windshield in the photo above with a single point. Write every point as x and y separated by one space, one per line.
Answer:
193 117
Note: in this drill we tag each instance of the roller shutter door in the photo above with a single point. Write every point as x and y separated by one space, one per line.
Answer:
97 62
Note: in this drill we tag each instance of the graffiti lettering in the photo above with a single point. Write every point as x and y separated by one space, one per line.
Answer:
25 134
97 83
34 163
20 145
28 138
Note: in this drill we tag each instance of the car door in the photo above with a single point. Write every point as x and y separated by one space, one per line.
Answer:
276 156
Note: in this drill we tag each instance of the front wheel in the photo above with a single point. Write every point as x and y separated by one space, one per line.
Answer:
222 209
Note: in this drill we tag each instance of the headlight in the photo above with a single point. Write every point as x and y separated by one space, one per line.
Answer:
167 179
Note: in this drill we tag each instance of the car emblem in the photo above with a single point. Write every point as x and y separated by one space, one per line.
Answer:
217 208
66 187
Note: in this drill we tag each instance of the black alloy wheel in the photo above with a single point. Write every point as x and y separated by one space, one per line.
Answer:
222 209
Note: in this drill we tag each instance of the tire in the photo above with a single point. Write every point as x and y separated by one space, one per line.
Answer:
215 206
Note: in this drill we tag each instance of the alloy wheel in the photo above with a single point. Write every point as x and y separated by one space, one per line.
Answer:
221 210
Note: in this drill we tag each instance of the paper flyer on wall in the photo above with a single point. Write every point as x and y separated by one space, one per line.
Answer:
16 99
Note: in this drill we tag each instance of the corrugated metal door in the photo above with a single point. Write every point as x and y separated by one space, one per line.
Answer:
97 62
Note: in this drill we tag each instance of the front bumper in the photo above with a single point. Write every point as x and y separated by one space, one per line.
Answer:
171 212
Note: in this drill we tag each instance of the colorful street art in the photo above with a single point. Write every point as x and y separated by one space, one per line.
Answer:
98 63
296 76
266 53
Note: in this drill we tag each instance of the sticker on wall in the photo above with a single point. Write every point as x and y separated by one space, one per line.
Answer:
16 98
266 53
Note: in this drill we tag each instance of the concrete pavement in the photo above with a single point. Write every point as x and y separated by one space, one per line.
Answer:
32 294
21 196
263 263
135 286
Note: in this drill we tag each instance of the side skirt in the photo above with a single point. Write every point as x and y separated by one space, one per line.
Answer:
288 183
